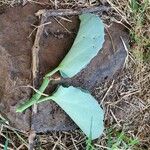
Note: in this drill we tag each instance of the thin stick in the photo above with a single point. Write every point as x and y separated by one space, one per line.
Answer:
36 27
112 42
71 12
35 71
62 25
31 140
111 86
115 118
14 129
128 53
56 143
35 90
35 57
20 147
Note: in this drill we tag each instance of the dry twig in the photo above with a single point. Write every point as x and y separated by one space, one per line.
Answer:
71 12
35 71
35 56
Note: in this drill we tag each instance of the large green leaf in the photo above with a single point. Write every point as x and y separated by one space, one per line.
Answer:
88 42
82 107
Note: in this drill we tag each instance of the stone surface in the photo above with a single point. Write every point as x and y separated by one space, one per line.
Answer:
57 38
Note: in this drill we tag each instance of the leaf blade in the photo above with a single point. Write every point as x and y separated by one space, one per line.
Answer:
82 108
87 44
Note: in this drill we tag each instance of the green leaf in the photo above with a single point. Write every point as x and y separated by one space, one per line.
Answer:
82 107
87 44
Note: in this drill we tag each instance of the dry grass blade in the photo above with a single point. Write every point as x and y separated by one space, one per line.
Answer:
56 143
9 139
111 86
8 148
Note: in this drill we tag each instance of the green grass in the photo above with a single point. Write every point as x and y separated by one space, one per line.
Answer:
6 144
89 144
139 31
10 135
120 141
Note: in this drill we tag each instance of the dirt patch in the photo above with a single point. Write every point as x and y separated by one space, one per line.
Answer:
15 68
55 42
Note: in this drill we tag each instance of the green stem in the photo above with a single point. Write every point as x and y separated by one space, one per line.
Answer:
52 72
34 99
45 99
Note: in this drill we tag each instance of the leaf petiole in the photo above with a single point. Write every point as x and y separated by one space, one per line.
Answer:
52 72
34 99
45 99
